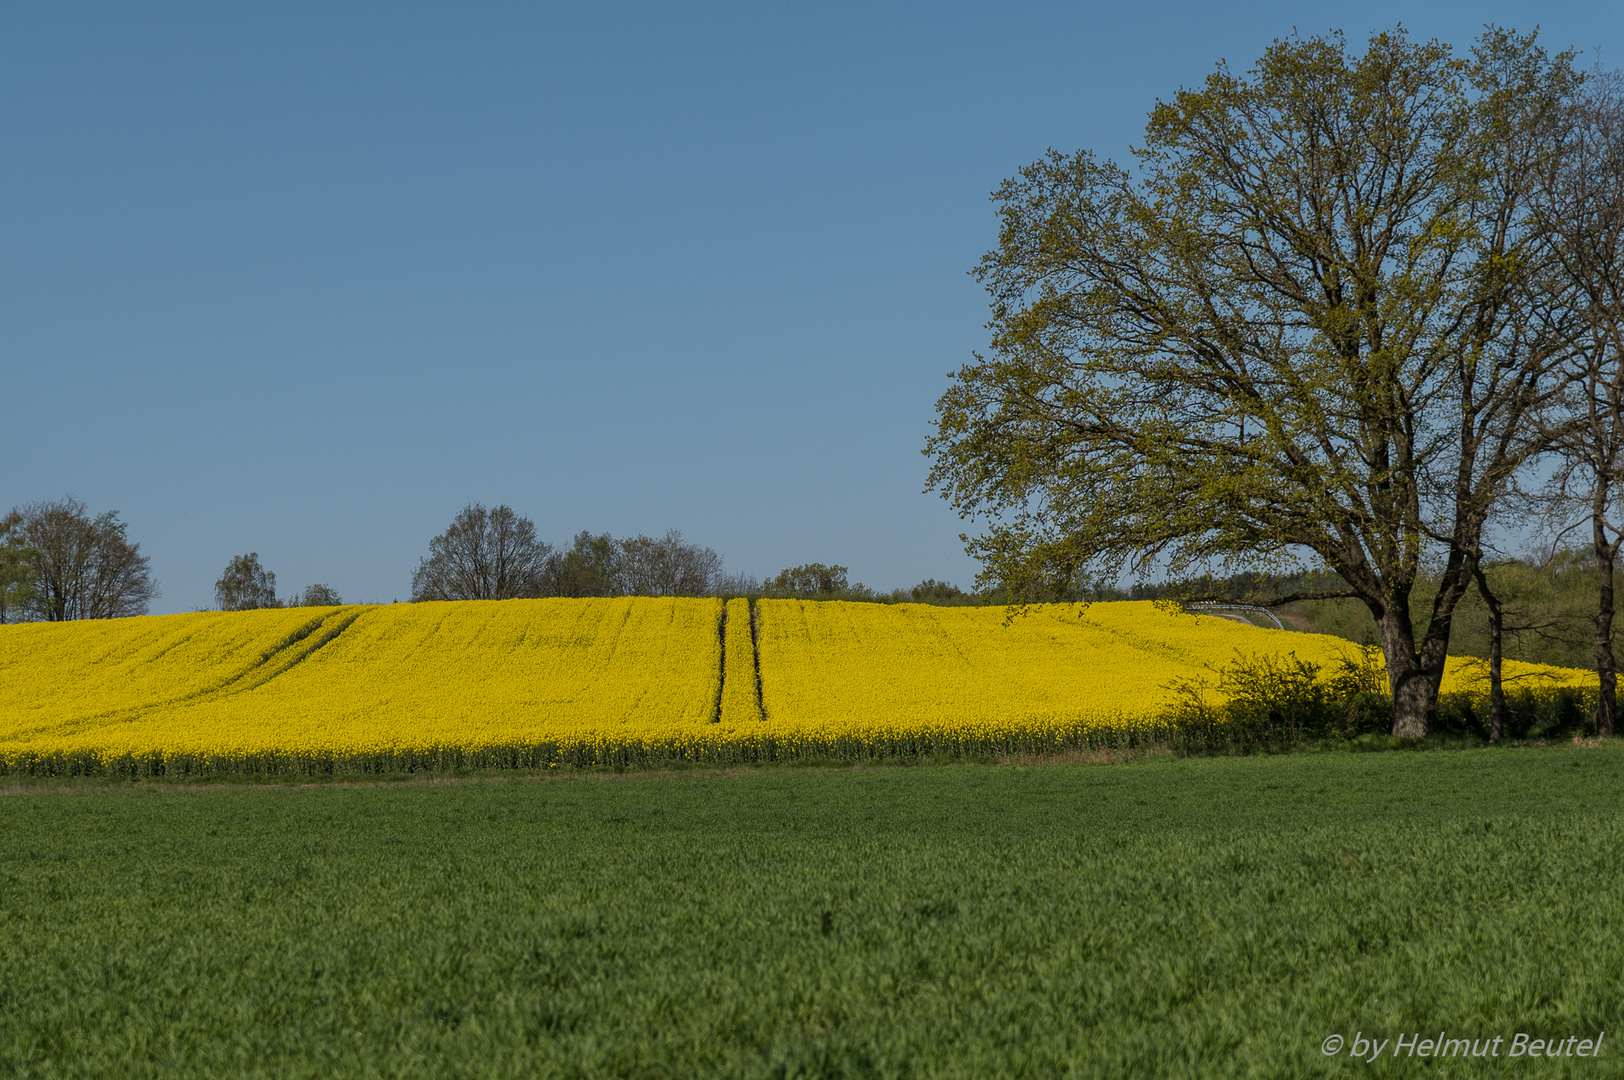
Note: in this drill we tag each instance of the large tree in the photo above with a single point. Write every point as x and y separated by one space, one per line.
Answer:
80 567
1298 325
484 555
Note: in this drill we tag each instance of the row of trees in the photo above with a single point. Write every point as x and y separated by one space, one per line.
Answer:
59 563
815 581
247 585
495 554
1547 611
1547 606
1345 310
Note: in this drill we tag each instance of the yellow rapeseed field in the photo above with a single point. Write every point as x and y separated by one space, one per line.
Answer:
857 677
54 675
739 708
540 682
520 681
830 672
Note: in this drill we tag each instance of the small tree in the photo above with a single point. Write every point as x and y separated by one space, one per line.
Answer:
79 567
591 567
1507 595
484 555
812 580
317 596
245 585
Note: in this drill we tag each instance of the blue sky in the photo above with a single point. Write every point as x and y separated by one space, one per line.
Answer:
305 280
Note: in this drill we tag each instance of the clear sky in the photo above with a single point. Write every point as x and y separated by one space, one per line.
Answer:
305 279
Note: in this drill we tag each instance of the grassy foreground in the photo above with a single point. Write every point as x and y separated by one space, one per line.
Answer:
1204 917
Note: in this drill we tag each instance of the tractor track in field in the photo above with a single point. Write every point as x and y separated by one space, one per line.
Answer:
755 651
325 629
721 675
755 662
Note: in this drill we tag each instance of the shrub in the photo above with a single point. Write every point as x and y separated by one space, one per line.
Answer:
1275 701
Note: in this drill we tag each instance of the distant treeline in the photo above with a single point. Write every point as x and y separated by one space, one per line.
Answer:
1548 606
58 562
495 554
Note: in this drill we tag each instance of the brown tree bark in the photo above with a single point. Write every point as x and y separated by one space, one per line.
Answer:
1497 690
1606 667
1415 662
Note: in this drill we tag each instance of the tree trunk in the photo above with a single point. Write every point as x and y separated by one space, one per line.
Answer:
1497 691
1413 685
1607 691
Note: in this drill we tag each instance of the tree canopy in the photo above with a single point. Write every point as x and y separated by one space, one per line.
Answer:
484 555
667 566
812 580
1302 327
64 564
317 595
245 585
16 574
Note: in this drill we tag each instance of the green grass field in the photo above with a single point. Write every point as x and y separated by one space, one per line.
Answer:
1203 917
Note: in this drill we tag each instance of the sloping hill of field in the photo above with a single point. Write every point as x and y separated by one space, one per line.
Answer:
56 676
860 674
402 681
534 682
